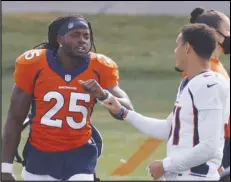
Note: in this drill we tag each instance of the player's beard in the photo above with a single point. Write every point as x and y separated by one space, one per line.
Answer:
77 53
178 69
73 53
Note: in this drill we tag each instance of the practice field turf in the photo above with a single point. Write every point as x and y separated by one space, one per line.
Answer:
143 48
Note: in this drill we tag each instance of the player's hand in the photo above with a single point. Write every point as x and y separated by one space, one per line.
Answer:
7 177
113 105
92 87
156 169
221 170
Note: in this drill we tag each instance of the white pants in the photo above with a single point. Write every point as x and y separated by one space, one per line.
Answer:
34 177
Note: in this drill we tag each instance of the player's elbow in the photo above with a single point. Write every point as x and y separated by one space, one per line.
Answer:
211 149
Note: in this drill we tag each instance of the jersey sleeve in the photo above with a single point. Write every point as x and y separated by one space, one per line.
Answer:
109 74
25 70
157 128
208 96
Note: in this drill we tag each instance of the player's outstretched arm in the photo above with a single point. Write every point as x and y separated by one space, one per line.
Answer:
92 87
121 96
17 113
156 128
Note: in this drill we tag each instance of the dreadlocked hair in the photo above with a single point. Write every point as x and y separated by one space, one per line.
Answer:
53 29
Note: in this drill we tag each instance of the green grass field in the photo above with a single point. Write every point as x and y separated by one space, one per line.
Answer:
142 46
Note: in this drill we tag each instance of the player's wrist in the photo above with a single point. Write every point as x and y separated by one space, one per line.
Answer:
123 112
105 96
7 167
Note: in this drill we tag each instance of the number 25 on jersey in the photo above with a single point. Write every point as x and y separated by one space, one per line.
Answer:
73 107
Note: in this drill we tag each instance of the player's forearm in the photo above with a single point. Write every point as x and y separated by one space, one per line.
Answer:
206 149
126 103
197 156
121 96
10 140
150 126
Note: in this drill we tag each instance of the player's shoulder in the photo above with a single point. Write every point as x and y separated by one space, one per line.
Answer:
103 60
31 57
209 82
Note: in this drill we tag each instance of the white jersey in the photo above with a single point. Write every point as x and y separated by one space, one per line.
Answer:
203 93
194 132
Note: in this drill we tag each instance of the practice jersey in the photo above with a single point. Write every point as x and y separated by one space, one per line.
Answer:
215 65
61 110
206 91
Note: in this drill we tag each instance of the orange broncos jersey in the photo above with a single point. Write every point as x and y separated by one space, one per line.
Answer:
215 65
61 110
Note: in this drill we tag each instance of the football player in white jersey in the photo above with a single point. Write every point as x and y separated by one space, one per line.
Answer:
194 131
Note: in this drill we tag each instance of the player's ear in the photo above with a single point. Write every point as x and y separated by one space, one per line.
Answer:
59 40
188 48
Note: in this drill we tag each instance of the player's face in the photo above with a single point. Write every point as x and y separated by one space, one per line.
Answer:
180 54
222 32
224 28
77 42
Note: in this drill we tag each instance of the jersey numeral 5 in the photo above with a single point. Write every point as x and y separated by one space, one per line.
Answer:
73 107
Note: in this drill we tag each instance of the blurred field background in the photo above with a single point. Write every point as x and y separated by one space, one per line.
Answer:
142 46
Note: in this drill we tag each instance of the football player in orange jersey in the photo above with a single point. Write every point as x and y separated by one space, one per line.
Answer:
53 81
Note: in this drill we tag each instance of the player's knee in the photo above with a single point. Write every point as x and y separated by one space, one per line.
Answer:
82 177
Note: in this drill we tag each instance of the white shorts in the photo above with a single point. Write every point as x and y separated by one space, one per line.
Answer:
34 177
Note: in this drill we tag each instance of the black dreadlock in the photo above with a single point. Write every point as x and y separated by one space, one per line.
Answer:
53 29
208 17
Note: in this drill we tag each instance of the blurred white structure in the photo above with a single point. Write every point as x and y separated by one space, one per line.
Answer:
115 7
